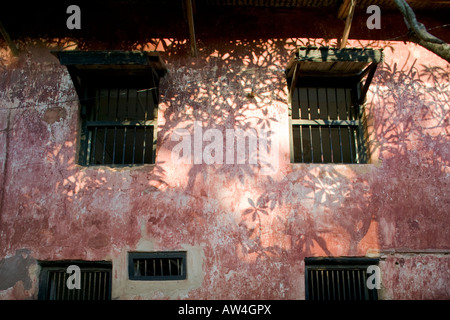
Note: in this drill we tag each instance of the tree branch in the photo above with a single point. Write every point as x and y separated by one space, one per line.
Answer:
419 33
442 50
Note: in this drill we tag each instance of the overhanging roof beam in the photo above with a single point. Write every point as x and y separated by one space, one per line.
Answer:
348 21
8 40
190 15
344 9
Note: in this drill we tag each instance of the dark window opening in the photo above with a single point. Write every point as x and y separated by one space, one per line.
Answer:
157 266
327 91
338 279
95 281
326 125
119 95
120 126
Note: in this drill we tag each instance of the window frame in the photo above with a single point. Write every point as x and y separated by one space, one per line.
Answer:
328 63
139 68
124 82
354 84
61 266
157 255
342 263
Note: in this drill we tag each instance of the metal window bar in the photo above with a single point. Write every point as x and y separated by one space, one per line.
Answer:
114 145
97 106
301 142
340 145
321 145
331 144
311 143
124 144
104 144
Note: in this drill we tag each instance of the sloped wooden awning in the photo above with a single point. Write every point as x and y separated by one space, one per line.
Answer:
142 66
328 62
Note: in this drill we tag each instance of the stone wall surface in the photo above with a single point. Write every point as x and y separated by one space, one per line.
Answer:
246 232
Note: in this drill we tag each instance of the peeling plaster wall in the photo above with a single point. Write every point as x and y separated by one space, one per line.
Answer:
246 233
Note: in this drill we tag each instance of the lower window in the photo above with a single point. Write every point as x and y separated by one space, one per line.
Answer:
338 279
94 280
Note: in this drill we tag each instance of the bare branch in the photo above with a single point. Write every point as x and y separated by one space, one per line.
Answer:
442 50
420 34
418 28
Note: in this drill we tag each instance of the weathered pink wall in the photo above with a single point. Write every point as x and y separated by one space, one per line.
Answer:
253 230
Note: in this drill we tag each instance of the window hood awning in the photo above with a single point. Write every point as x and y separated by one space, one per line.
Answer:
134 61
142 67
313 61
328 62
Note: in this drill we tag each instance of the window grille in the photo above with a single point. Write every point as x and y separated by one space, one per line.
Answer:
119 126
157 266
119 93
338 279
326 125
95 281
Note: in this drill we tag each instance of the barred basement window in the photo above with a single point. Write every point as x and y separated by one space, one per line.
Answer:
338 279
157 265
326 124
95 281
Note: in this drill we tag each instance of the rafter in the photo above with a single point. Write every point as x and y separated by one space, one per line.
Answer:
192 40
346 10
8 40
343 9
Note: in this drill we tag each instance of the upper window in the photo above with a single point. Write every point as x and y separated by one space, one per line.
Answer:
119 125
119 96
326 123
327 94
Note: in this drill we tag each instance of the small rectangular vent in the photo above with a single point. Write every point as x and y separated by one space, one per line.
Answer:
157 265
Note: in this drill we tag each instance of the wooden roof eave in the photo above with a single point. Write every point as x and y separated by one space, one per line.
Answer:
347 14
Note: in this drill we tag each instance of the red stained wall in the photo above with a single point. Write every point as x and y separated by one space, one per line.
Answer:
250 232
